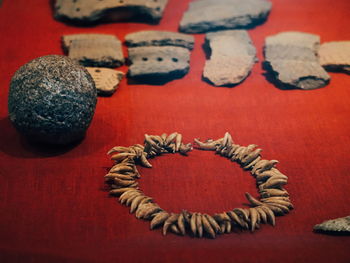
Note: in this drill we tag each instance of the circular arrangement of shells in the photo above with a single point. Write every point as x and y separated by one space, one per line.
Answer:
274 199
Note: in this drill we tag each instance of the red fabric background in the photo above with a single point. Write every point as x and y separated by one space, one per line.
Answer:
53 206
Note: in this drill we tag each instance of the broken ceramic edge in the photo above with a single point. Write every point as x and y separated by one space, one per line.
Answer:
228 66
89 12
158 64
203 16
96 51
281 74
291 61
335 56
106 80
334 226
159 38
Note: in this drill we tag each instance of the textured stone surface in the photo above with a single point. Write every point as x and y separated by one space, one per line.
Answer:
94 50
232 57
208 15
340 225
159 38
152 62
291 59
92 11
52 100
335 56
106 80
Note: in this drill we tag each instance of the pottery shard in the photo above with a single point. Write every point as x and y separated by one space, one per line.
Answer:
209 15
294 38
232 57
106 80
154 61
68 39
292 60
94 50
341 225
92 11
159 38
335 56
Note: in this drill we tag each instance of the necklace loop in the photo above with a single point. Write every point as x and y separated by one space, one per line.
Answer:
273 200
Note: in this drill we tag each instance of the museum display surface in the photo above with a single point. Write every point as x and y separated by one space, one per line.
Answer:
149 131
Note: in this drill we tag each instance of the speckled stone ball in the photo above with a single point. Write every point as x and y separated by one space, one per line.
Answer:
52 100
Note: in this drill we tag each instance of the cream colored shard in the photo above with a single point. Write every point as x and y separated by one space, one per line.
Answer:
106 80
335 56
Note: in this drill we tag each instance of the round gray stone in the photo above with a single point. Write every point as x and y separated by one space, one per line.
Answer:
52 100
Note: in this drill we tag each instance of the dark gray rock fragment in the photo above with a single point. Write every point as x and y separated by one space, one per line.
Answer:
52 100
339 225
159 38
335 56
94 50
291 59
209 15
93 11
151 63
232 57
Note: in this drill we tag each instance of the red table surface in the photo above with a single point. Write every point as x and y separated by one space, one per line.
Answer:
53 204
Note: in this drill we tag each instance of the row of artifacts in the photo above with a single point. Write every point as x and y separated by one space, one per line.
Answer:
202 15
292 59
